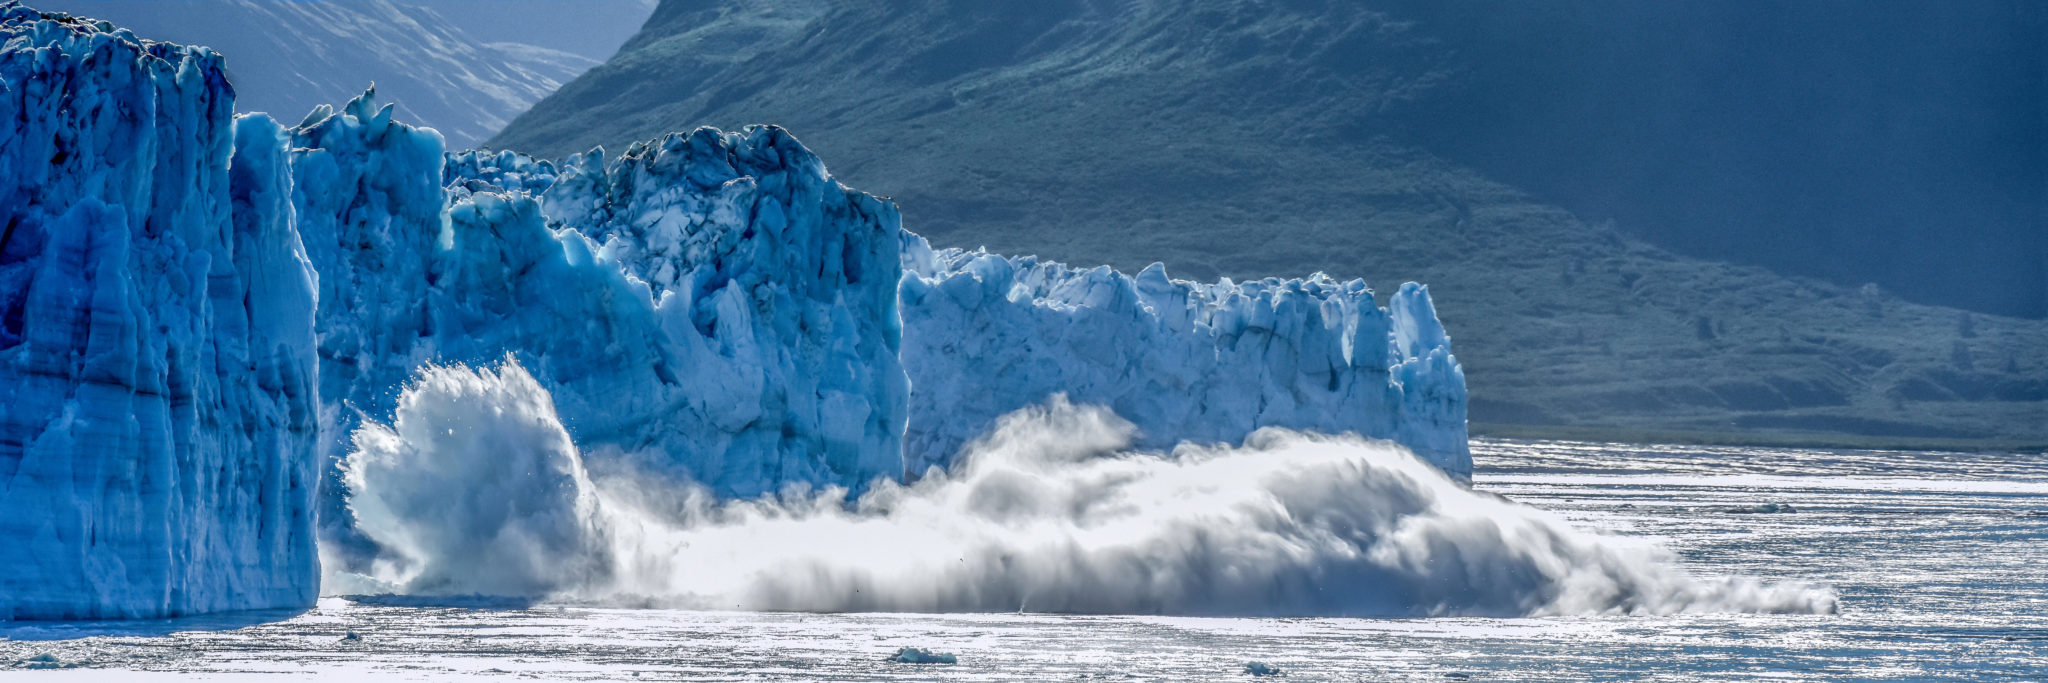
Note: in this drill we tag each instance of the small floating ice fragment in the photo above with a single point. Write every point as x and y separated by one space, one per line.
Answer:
1261 669
43 661
913 655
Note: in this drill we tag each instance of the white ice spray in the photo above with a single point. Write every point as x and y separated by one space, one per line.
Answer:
1049 512
477 489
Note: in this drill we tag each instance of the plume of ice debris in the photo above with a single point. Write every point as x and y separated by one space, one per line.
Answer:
1050 511
514 516
723 309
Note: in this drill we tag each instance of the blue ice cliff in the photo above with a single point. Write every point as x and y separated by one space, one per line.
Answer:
721 309
203 315
158 402
985 335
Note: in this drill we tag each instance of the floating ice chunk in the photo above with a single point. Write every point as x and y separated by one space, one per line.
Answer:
1257 668
912 655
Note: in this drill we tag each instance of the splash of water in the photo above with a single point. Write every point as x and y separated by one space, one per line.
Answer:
477 489
1049 512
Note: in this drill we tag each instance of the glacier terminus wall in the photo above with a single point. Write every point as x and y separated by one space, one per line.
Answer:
200 314
158 403
719 309
985 335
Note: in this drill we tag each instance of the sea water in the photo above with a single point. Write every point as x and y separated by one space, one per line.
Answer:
1938 559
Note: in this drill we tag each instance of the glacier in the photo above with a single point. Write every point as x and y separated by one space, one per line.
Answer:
985 335
158 401
721 308
206 316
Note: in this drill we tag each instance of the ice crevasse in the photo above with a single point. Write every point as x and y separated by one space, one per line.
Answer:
198 311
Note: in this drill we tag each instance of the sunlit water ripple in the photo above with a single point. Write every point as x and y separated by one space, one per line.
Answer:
1938 557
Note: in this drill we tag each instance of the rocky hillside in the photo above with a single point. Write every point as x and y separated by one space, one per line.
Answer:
1246 138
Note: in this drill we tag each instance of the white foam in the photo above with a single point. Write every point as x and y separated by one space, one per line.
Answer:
477 488
1050 512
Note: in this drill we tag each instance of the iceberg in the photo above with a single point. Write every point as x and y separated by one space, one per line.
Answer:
158 401
916 655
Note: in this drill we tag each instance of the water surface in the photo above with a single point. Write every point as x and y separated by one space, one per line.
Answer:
1938 558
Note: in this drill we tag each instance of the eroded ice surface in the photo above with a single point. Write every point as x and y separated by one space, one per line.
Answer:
721 310
711 309
986 334
157 394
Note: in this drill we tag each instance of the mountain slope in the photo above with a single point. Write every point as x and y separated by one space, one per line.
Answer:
287 57
1249 138
1902 144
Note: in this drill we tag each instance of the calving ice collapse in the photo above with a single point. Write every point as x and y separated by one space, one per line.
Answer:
1051 510
224 337
720 309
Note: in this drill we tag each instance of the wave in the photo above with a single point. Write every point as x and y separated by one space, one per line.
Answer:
480 490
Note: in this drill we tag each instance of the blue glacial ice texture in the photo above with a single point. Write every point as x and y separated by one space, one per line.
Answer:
157 393
985 335
711 303
720 309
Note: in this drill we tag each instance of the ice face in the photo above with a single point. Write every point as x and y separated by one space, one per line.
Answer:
157 394
985 335
716 306
778 285
197 312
